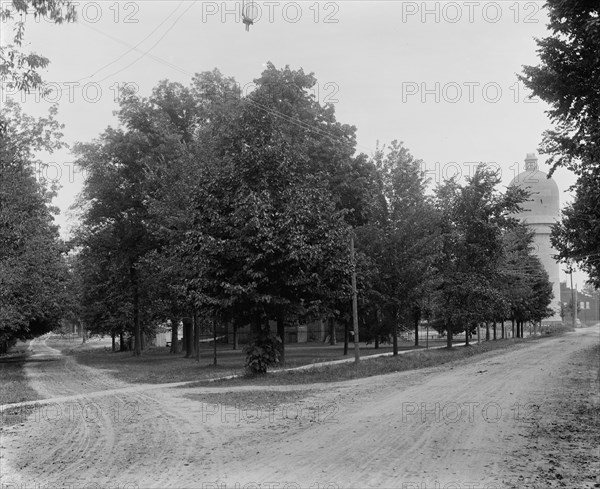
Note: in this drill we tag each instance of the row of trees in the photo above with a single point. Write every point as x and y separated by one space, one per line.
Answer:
208 205
205 204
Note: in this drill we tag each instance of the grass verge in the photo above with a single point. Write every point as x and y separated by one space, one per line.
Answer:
15 387
157 366
154 366
376 366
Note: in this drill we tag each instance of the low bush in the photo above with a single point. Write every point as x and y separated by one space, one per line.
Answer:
262 353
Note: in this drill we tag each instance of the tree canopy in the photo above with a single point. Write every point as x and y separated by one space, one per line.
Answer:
33 272
568 79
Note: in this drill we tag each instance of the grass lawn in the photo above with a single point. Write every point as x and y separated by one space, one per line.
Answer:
14 386
421 358
156 365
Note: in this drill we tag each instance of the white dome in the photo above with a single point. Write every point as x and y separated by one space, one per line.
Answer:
543 205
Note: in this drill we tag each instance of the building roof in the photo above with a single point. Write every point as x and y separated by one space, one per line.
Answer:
544 204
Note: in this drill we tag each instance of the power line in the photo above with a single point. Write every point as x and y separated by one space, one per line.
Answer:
134 48
151 47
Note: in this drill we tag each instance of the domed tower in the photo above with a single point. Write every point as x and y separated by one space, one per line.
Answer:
540 212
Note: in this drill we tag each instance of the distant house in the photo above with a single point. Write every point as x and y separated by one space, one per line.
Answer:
588 304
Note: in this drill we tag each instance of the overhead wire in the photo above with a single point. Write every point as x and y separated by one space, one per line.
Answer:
134 48
147 53
151 47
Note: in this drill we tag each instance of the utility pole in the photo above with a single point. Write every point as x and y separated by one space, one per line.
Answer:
354 301
214 321
196 335
573 306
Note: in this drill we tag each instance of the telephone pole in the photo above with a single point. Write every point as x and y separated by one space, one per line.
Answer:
354 301
573 305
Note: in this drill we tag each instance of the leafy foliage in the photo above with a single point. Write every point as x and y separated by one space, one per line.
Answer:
263 352
568 79
33 271
577 236
473 285
204 202
19 69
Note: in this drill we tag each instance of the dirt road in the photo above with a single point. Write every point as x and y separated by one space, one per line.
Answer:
450 426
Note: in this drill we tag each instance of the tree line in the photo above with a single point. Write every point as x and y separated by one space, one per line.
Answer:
207 207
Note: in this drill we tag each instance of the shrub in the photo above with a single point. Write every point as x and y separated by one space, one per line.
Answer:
556 329
263 352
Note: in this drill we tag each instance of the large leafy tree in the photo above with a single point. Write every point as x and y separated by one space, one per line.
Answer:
267 239
401 242
577 235
32 265
101 285
473 217
183 126
524 284
568 79
114 207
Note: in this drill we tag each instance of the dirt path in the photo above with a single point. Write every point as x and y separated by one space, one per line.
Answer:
454 423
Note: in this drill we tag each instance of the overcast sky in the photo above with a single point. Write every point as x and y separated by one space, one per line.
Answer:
439 76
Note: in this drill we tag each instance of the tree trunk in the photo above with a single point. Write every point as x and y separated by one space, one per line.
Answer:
235 336
183 336
416 331
83 335
379 328
487 331
467 335
346 335
188 337
448 334
332 338
494 325
478 333
281 334
174 334
113 337
503 331
512 333
395 341
137 330
122 346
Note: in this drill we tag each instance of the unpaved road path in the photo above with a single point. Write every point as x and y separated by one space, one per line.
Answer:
457 425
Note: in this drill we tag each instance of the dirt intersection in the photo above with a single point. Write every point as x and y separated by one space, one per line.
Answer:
457 426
